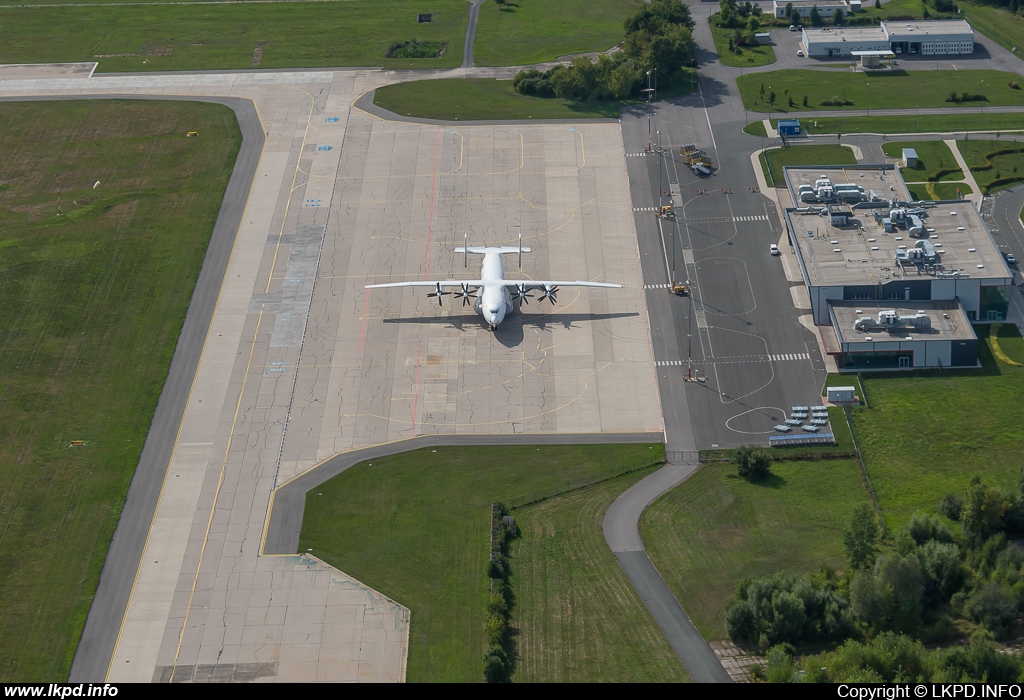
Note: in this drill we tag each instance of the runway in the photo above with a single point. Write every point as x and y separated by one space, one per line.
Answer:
301 363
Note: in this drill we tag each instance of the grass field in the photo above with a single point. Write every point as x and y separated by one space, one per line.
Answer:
913 123
716 528
534 31
1007 169
773 161
889 89
577 616
932 157
939 190
414 526
997 23
485 98
748 57
974 425
203 37
92 306
482 98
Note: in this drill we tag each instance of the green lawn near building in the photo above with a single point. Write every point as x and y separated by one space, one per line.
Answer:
914 123
995 164
939 190
888 89
934 160
746 56
717 528
925 434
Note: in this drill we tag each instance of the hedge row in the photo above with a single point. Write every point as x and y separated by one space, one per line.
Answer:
499 659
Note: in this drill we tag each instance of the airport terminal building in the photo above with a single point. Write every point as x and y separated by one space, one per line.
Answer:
893 284
946 37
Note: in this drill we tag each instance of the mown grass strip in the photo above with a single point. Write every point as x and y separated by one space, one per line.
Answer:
577 618
234 36
93 302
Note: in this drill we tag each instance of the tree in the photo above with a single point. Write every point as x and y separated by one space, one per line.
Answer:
789 12
878 4
837 18
815 16
860 537
753 24
983 510
753 463
993 608
654 16
889 598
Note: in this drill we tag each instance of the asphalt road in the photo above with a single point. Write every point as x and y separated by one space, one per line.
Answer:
99 636
467 54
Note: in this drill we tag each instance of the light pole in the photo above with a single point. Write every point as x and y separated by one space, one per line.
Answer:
648 111
869 99
689 333
661 163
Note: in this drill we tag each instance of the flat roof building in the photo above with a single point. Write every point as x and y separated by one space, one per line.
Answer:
900 335
826 8
892 254
929 38
832 42
938 37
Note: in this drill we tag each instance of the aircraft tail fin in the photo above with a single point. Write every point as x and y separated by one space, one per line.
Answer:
481 250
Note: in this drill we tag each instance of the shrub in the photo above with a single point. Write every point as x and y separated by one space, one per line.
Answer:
753 463
496 630
992 607
1014 85
496 667
951 506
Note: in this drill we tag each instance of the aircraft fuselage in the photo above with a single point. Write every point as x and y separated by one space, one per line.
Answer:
494 301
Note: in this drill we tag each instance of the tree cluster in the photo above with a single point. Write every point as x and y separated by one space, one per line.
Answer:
896 658
927 582
782 609
734 14
658 38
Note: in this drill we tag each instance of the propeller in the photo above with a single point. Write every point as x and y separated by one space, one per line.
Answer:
439 293
465 294
522 294
549 293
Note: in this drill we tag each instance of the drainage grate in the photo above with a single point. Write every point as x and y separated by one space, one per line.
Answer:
425 17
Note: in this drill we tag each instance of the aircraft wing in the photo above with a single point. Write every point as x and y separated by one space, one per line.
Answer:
429 283
540 284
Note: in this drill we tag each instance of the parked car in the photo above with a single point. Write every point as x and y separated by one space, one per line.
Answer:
792 27
773 249
800 53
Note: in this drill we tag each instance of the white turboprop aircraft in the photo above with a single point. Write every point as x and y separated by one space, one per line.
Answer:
493 293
